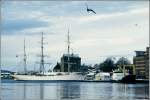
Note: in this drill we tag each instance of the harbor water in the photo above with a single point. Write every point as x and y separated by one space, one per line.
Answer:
14 90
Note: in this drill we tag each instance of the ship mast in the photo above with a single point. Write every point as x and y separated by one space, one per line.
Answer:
42 62
25 58
42 56
68 42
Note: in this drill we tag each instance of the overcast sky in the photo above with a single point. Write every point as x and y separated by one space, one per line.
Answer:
117 28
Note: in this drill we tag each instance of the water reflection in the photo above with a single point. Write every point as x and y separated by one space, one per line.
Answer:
31 91
138 91
130 91
74 90
24 92
43 91
69 91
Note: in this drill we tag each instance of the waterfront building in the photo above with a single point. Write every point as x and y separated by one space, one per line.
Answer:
74 63
147 63
6 74
141 62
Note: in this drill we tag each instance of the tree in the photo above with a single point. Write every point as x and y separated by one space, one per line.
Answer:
123 61
84 68
108 65
57 67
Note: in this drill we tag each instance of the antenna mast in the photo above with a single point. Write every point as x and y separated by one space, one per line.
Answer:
25 58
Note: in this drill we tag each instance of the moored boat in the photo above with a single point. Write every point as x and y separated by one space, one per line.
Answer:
123 76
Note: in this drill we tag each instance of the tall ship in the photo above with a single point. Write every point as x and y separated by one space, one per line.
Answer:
68 69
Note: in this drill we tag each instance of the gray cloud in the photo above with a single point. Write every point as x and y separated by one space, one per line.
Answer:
12 26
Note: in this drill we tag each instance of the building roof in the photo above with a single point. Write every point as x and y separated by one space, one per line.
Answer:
71 55
140 53
6 71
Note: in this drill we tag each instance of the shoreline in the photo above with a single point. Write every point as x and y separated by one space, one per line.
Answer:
55 81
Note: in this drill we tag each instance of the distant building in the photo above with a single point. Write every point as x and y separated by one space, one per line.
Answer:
74 62
6 74
147 63
141 62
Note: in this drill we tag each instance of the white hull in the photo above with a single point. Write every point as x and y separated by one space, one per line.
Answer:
71 76
117 76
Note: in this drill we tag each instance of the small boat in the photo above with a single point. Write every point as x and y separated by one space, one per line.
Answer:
123 77
128 79
90 76
117 75
102 76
